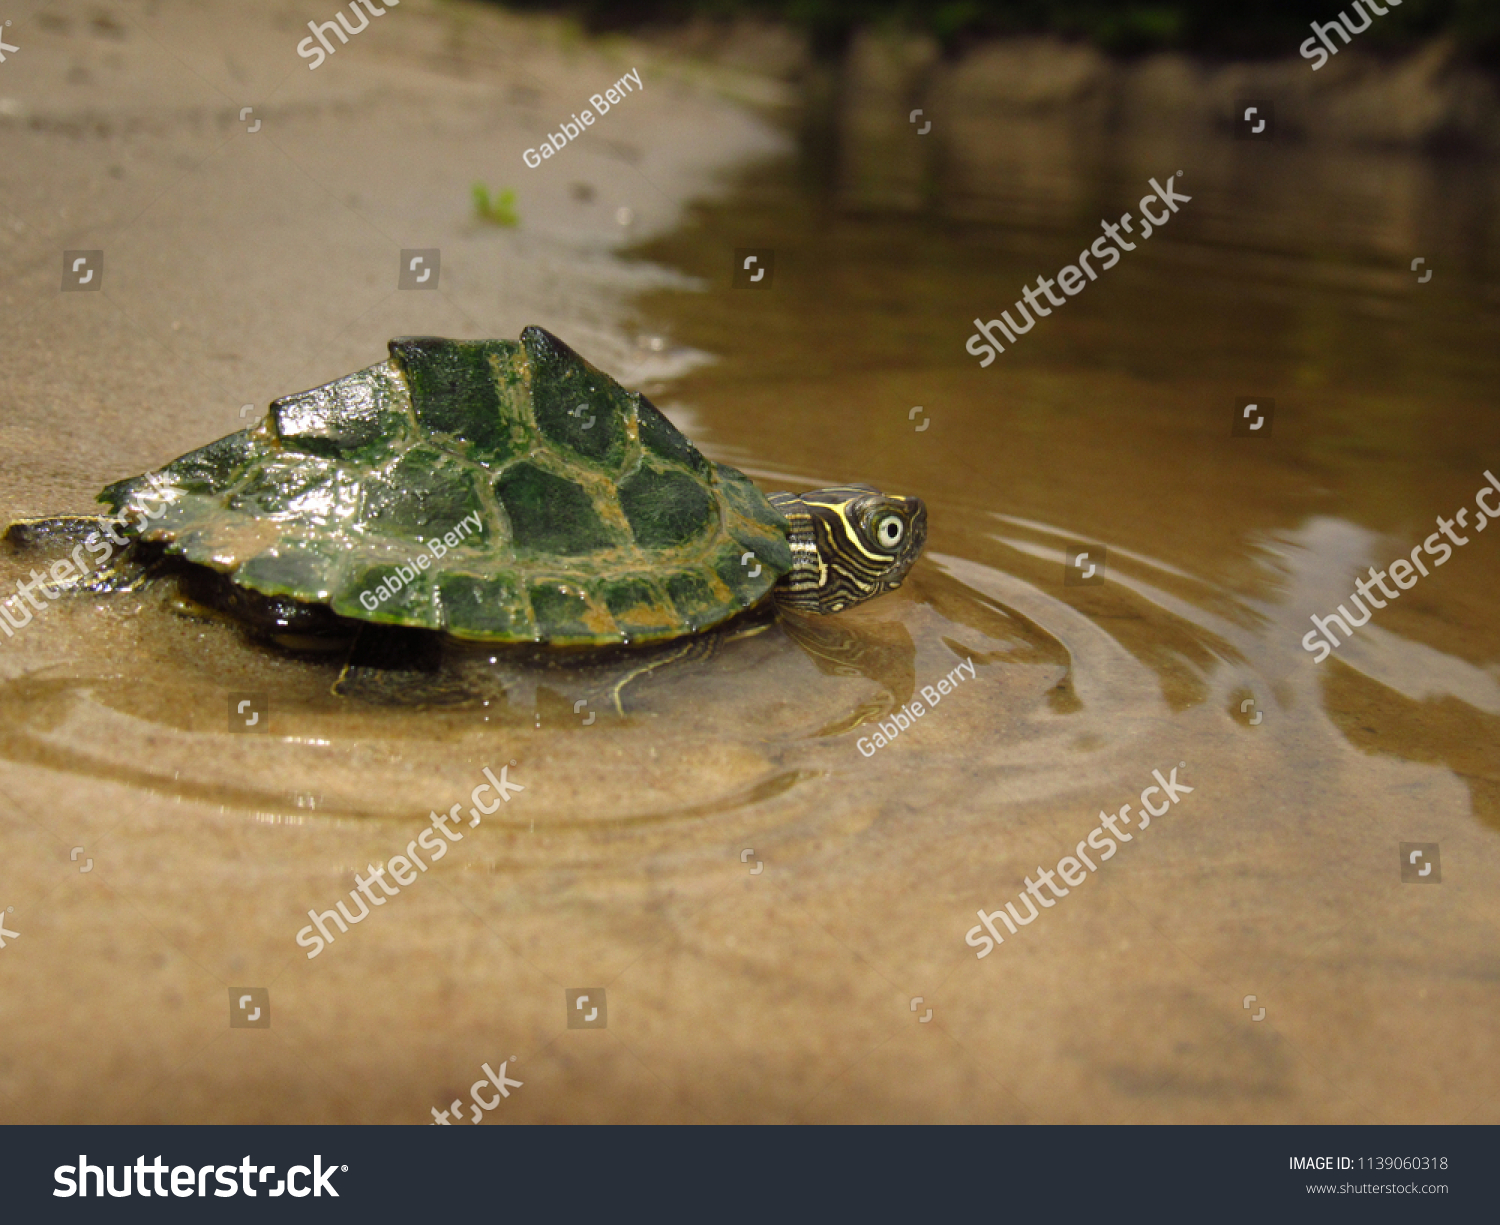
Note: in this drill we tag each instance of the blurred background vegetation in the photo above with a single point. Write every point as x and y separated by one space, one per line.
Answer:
1214 28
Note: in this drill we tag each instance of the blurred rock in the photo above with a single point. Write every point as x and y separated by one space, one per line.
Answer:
1429 98
1019 122
887 147
1042 132
1030 75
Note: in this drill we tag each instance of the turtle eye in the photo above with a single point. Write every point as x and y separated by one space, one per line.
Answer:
889 531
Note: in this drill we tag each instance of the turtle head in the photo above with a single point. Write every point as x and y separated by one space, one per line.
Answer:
849 543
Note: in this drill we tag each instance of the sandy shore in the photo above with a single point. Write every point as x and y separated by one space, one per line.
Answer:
240 266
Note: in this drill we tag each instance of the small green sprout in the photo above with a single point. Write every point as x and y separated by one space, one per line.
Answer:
499 211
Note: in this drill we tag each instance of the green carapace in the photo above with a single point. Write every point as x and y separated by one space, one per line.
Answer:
506 491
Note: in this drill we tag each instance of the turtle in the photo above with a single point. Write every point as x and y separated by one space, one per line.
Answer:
495 492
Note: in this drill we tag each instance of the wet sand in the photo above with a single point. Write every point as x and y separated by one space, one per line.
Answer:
782 984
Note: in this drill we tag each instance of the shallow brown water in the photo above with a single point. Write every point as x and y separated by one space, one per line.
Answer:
764 899
1285 278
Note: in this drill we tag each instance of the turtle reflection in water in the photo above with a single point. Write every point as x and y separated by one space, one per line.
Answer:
494 493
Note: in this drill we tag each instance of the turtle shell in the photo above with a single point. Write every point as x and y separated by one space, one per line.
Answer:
499 491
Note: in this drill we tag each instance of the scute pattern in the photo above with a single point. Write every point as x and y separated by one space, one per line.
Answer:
500 491
351 417
419 496
666 509
578 409
551 515
469 390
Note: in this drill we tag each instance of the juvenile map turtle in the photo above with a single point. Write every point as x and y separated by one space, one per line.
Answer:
497 492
